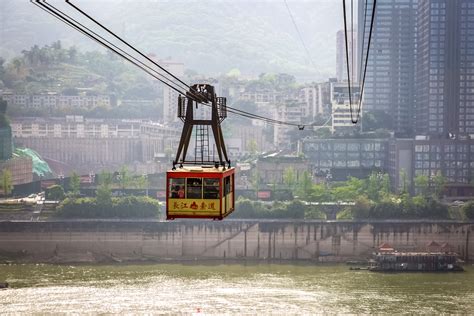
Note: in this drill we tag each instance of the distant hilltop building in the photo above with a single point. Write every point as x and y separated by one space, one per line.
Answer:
53 100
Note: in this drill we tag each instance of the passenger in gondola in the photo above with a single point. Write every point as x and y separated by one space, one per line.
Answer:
180 192
174 191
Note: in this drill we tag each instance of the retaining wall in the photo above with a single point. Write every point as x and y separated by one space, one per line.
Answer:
229 239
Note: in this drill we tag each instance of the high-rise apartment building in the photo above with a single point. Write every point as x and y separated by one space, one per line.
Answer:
445 68
341 60
390 82
170 96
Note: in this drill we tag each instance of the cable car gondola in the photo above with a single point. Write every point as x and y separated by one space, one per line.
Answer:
203 187
200 192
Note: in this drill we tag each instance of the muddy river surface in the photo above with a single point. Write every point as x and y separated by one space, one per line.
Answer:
230 289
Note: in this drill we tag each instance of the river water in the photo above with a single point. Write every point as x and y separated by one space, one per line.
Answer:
230 289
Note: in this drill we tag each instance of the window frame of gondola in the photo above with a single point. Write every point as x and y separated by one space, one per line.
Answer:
193 187
173 182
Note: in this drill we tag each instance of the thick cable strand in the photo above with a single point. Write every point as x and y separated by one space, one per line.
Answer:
89 32
125 42
72 25
347 56
374 8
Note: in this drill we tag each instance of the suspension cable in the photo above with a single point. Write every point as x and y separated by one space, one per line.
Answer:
46 7
126 43
300 36
347 57
71 22
362 84
367 57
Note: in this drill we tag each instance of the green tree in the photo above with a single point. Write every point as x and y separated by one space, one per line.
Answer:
362 207
468 210
349 190
386 209
55 193
104 192
124 177
305 184
373 186
7 184
439 182
141 182
75 184
289 178
320 193
295 209
385 185
17 64
404 181
422 183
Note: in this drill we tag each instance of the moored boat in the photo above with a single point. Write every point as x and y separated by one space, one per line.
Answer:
414 261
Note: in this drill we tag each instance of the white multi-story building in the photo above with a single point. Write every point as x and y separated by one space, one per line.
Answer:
52 100
343 113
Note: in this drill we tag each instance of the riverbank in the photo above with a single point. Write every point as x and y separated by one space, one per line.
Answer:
92 241
257 289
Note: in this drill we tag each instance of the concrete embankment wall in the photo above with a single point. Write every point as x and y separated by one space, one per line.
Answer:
231 239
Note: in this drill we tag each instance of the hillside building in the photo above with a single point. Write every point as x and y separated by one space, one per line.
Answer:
85 145
54 101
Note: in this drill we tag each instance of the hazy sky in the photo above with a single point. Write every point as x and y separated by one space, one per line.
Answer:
254 36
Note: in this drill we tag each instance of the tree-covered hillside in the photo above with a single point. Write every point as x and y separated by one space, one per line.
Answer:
65 70
210 37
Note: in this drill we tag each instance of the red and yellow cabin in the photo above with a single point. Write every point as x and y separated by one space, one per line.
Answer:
200 192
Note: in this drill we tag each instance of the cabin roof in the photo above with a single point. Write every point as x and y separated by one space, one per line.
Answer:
199 169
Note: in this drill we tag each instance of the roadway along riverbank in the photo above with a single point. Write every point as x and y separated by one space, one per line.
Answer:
319 241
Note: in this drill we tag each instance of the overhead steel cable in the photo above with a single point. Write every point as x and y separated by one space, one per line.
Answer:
362 85
259 117
363 43
347 58
374 7
46 7
300 36
126 43
230 109
64 16
71 22
352 39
